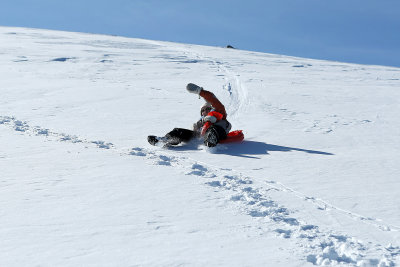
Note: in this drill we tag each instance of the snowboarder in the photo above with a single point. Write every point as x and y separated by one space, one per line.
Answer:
212 126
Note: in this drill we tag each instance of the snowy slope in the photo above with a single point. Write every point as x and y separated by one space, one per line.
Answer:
316 181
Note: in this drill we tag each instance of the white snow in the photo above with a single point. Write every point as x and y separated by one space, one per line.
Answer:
316 181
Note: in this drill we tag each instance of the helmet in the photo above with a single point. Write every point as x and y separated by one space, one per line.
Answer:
205 108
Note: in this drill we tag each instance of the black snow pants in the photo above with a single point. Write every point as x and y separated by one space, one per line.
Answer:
178 135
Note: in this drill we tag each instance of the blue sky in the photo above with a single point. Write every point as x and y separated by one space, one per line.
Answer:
359 31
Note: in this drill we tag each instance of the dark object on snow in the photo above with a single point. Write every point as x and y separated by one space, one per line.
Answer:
229 46
62 59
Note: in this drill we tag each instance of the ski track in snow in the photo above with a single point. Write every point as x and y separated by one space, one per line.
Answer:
238 94
321 247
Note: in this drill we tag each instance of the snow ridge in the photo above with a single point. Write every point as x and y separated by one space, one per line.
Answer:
321 247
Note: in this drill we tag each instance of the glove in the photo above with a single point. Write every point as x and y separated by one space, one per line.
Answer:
197 126
211 119
194 89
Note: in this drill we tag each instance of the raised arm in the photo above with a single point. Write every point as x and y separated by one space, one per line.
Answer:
209 97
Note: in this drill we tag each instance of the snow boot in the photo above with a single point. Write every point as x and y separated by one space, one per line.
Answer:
161 141
152 139
211 137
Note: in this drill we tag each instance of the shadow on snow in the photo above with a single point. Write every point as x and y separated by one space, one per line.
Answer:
249 149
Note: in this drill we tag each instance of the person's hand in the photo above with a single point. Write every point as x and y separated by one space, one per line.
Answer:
193 88
211 119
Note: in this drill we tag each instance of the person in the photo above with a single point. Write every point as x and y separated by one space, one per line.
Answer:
212 126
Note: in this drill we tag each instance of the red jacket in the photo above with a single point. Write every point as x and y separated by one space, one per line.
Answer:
218 116
215 103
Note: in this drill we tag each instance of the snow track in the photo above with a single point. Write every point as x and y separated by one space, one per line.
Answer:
321 246
237 92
